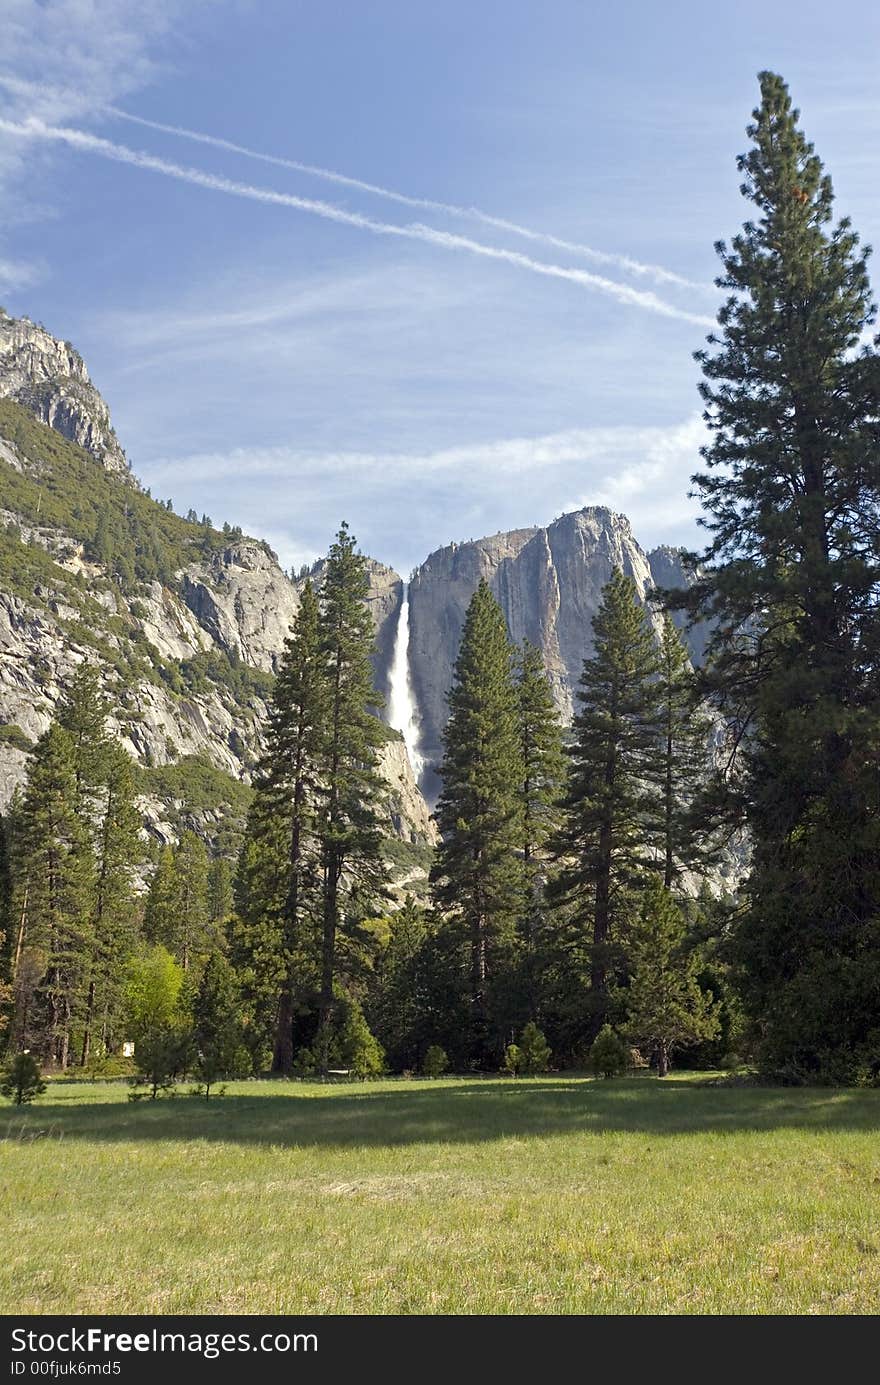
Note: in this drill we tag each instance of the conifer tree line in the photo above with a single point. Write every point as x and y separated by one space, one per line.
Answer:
566 919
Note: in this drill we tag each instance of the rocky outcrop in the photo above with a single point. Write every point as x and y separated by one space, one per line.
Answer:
243 602
50 379
410 816
548 582
669 571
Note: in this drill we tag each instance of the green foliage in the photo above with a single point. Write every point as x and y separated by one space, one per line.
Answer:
194 793
513 1059
478 874
154 1019
666 1005
352 869
21 1080
152 992
534 1049
216 1027
63 487
791 582
351 1045
682 766
609 1055
10 734
604 843
435 1061
55 870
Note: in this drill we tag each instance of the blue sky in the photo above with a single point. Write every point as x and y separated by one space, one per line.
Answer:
284 366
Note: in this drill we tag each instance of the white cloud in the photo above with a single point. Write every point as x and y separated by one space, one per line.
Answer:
474 489
615 258
65 60
33 129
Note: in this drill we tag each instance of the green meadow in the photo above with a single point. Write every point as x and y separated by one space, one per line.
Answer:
543 1195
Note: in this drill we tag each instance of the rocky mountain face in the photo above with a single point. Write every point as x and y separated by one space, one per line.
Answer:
548 582
383 601
50 379
189 655
187 660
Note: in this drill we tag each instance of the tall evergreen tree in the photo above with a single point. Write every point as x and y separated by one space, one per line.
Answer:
83 715
478 874
194 936
683 755
666 1006
220 901
6 934
604 842
290 778
543 776
216 1031
118 853
353 874
792 486
160 906
55 885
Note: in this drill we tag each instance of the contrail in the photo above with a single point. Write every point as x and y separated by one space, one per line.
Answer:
120 153
624 262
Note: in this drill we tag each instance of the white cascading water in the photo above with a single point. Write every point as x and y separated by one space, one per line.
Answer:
402 714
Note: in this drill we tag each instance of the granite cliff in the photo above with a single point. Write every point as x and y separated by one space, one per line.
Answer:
186 623
548 582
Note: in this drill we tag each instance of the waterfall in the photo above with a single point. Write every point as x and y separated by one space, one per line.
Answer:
402 713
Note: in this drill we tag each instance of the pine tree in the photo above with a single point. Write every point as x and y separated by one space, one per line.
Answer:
160 907
216 1031
6 934
117 856
193 934
666 1005
83 715
20 1080
604 842
793 573
256 933
220 902
291 780
352 869
543 776
478 875
683 759
56 880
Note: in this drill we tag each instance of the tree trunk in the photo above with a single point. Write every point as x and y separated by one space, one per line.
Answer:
662 1058
601 930
669 812
87 1031
282 1057
328 958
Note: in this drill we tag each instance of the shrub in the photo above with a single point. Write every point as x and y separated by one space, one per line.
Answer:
435 1062
609 1056
534 1048
304 1062
353 1046
21 1080
513 1059
10 734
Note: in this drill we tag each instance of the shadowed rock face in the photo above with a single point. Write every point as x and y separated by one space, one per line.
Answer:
548 582
49 378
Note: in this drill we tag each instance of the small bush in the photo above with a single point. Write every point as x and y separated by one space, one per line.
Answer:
513 1059
11 734
304 1062
436 1062
21 1080
535 1050
609 1056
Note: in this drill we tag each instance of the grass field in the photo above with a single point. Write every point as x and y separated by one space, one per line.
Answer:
548 1195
